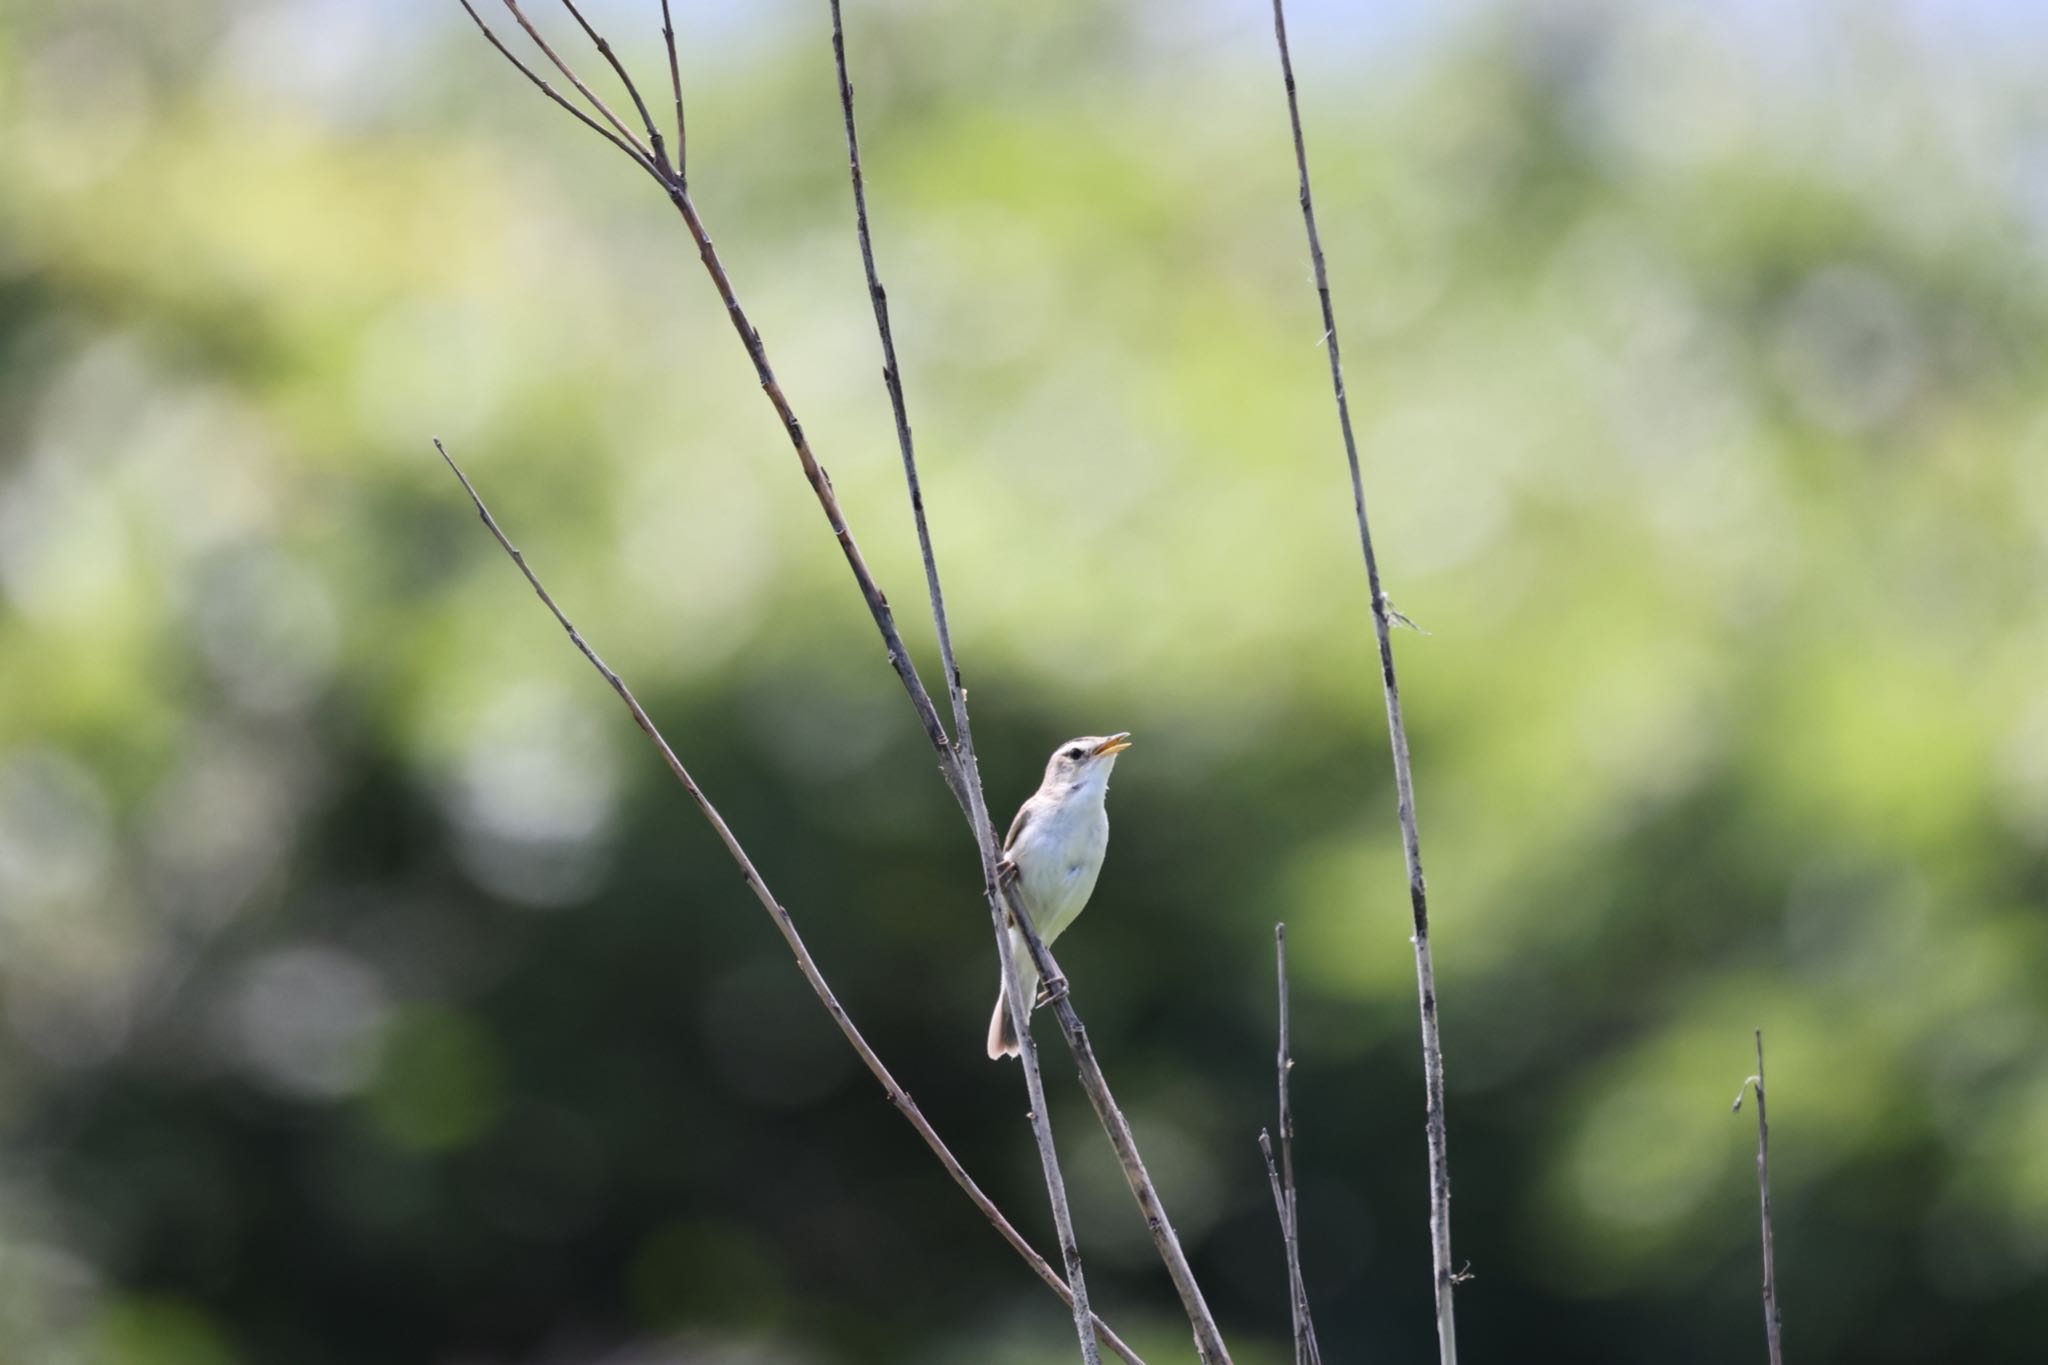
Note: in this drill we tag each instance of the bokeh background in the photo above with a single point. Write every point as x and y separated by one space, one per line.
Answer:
369 993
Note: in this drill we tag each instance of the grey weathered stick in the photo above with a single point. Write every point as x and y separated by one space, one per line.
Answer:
542 43
963 741
750 337
604 49
675 81
1208 1338
952 764
1773 1325
637 155
1404 781
786 926
1306 1351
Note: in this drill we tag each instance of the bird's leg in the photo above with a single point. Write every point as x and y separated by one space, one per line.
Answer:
1007 877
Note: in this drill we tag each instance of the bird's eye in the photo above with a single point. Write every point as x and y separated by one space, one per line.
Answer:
1074 752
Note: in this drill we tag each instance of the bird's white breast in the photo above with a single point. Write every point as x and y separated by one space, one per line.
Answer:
1058 856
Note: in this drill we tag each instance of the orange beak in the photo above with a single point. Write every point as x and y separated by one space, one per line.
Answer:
1115 744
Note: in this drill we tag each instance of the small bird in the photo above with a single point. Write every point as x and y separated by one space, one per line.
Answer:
1051 857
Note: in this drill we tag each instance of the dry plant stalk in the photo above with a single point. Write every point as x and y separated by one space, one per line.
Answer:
1281 1177
957 764
1773 1325
1208 1339
1384 616
785 925
969 770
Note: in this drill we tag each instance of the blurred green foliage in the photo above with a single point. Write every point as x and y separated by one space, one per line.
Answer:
370 994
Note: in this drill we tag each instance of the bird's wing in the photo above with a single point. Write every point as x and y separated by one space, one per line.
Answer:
1017 826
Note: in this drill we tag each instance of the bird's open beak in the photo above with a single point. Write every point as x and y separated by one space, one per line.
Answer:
1115 744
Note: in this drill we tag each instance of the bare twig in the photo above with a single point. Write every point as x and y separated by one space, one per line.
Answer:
786 926
750 337
1306 1352
637 155
568 74
828 501
1404 781
1208 1339
675 81
605 50
955 761
963 744
1773 1325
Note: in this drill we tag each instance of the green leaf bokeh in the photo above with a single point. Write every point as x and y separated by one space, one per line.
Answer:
371 994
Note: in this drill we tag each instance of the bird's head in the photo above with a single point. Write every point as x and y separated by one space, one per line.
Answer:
1085 760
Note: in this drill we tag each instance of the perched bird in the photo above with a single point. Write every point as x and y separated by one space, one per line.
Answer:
1051 857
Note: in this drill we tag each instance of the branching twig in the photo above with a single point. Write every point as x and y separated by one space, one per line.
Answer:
785 925
605 50
1306 1352
1305 1349
1404 782
1208 1339
956 763
570 75
1773 1326
636 155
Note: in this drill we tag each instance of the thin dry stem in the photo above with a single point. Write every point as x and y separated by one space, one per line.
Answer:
955 762
568 74
1773 1324
675 81
605 50
786 926
638 157
1208 1338
1306 1351
1404 781
963 744
750 338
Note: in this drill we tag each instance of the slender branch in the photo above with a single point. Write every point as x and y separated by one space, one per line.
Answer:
828 500
963 745
1048 1160
638 158
954 763
786 926
628 134
675 80
1208 1339
1773 1325
1404 781
750 337
605 49
1306 1351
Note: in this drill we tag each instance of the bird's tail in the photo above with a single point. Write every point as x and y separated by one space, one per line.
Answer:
1002 1037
